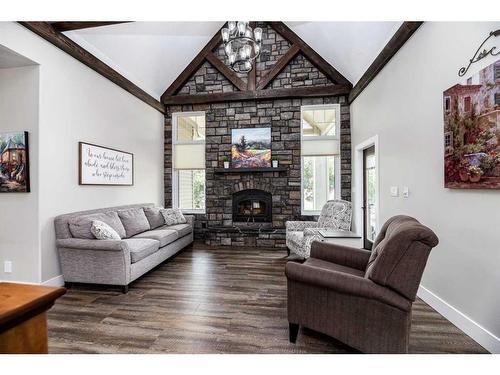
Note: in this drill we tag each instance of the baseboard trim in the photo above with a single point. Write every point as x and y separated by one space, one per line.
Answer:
478 333
55 281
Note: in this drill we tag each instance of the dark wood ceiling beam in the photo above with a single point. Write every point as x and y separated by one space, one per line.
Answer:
227 72
193 66
315 58
278 66
296 92
78 25
404 33
49 33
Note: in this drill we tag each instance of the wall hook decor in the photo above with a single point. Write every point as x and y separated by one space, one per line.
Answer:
481 53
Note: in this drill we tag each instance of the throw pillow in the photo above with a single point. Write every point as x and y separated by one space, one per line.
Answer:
103 231
154 216
134 221
80 226
173 216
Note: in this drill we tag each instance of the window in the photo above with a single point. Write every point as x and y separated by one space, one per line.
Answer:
320 156
497 98
188 154
447 104
496 71
467 104
448 143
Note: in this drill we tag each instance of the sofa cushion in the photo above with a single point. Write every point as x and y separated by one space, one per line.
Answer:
103 231
182 229
80 226
163 235
134 221
154 217
141 248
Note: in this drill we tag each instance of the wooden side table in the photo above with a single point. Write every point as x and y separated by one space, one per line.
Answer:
23 317
341 237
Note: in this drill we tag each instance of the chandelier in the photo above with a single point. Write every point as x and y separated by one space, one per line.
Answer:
241 44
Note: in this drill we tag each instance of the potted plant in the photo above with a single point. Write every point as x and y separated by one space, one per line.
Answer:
463 170
475 173
226 162
274 159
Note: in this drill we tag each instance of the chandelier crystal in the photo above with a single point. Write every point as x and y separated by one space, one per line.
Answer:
241 44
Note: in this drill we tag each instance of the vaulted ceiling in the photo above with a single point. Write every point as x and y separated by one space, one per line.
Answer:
153 54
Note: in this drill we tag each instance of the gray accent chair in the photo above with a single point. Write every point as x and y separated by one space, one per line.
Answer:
336 214
148 243
362 298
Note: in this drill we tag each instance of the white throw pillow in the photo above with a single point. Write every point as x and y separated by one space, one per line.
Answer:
103 231
173 216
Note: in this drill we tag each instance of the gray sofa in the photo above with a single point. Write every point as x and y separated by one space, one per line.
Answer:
146 242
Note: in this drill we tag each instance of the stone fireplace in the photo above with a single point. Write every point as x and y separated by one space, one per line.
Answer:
252 206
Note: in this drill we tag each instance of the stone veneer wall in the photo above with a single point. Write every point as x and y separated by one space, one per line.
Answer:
283 116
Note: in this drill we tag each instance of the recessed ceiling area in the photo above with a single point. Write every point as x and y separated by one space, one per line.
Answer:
153 54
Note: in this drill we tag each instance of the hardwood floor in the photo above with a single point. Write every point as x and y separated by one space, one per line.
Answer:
224 300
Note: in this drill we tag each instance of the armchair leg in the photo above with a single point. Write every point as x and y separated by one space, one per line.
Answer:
125 289
287 251
293 330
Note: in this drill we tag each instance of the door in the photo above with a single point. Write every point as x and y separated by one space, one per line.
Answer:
369 197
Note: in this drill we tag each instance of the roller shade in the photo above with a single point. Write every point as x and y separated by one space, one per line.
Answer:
189 156
320 147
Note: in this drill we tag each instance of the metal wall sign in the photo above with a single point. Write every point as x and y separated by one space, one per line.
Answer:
481 53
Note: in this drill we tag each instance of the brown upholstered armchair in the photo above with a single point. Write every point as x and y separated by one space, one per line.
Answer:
362 298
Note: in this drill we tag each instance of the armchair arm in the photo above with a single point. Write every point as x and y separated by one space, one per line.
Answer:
339 254
190 220
84 244
299 226
345 283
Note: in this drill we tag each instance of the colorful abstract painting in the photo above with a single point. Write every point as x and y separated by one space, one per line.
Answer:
472 131
251 148
14 162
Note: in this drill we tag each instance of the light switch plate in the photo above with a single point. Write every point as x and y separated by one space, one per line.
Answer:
7 266
406 192
394 191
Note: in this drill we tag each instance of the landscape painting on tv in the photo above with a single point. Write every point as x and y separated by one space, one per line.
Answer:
251 148
14 173
472 131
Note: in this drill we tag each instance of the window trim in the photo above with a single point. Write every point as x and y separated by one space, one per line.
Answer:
447 99
175 177
338 156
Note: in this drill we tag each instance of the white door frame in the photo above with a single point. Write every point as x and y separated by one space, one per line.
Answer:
358 184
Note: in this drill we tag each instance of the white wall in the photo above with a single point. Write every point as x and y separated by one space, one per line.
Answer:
77 104
19 235
403 106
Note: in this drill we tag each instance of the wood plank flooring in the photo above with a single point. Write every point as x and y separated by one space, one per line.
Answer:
205 300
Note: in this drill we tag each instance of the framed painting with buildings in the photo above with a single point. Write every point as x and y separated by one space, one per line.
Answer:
14 162
472 131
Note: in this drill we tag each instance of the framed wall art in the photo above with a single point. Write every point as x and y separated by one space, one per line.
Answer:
14 162
99 165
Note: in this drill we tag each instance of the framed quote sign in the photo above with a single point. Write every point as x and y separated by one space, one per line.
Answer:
105 166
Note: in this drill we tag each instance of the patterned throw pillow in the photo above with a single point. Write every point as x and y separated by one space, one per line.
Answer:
103 231
173 216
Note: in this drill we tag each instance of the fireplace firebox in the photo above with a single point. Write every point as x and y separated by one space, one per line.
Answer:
252 206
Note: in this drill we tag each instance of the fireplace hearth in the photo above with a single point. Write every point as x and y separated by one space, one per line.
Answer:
252 206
